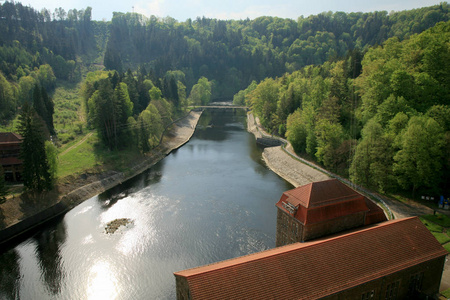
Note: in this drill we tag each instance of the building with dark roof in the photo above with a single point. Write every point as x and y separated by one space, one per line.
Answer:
322 208
9 155
397 259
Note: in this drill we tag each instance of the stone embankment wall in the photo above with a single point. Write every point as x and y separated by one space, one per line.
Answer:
280 162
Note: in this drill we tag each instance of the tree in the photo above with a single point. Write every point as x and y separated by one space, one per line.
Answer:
419 162
44 107
7 100
109 111
36 171
150 128
372 163
264 101
3 187
296 131
52 158
329 137
201 92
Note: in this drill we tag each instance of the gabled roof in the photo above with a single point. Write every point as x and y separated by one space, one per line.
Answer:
10 138
321 201
320 268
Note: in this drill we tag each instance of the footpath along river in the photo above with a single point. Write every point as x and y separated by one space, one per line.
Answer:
213 199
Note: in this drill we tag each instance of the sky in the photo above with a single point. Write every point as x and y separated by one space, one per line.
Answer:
181 10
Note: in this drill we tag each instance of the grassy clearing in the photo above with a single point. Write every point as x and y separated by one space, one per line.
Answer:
69 117
90 154
79 159
439 226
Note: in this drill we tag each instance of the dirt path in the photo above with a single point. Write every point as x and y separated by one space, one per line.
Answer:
77 144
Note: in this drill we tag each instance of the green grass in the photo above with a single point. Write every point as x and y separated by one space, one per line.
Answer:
439 226
431 226
442 237
446 293
440 219
447 247
91 154
79 159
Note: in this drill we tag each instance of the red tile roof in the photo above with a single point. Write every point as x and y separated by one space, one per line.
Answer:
321 201
375 213
316 269
10 138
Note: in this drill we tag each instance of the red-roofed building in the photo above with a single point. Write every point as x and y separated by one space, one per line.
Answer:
9 155
397 259
322 208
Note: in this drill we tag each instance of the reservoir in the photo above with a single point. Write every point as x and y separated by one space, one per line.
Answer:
212 199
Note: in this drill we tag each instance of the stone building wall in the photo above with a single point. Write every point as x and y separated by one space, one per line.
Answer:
182 287
289 229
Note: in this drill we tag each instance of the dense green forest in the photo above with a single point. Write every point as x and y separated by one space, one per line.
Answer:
387 129
323 81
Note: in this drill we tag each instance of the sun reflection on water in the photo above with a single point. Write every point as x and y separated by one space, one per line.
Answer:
102 282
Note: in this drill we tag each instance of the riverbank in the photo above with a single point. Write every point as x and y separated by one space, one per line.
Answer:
21 214
287 167
298 173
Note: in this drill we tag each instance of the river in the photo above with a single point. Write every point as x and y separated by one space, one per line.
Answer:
212 199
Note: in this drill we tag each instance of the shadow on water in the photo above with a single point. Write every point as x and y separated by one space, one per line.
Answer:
49 243
9 275
151 176
2 219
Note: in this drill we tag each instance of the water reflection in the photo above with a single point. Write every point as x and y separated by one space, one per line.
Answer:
211 200
48 245
102 282
9 275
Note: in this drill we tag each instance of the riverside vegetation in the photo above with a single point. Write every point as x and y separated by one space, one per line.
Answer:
104 91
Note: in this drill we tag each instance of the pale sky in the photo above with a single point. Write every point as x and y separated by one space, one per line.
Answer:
225 10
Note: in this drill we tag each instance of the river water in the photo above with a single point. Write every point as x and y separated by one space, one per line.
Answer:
213 199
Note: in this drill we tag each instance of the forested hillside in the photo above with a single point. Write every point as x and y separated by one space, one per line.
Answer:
378 114
387 127
235 52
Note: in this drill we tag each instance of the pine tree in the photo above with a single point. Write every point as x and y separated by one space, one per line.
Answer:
3 187
36 175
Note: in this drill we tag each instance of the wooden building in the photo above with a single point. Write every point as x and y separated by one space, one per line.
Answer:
322 208
397 259
9 155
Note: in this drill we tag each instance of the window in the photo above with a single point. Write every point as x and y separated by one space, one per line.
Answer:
415 284
392 290
368 295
